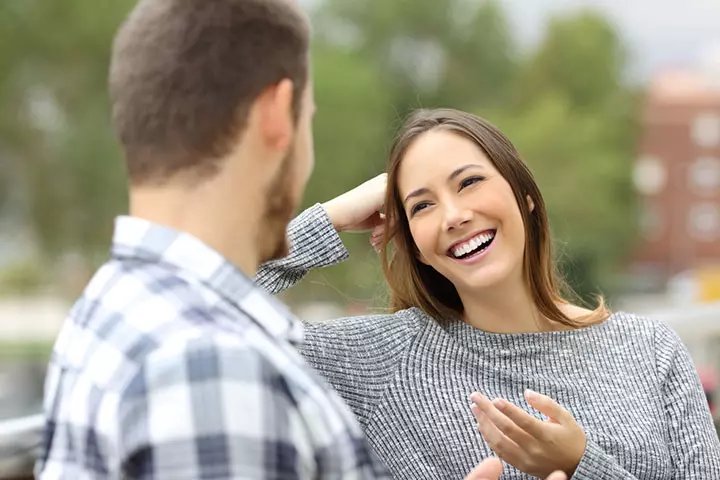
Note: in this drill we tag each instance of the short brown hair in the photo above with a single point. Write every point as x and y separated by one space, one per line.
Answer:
184 74
414 284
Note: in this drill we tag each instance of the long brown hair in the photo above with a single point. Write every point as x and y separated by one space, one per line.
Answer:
414 284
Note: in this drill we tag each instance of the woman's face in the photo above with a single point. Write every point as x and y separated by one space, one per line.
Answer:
462 213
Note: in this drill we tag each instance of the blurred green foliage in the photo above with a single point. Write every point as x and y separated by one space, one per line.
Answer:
564 104
22 277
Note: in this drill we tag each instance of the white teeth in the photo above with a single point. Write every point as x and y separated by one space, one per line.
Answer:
471 244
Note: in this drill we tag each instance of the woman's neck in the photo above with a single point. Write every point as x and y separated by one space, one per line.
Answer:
509 309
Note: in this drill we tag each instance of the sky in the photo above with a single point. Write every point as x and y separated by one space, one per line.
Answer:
659 33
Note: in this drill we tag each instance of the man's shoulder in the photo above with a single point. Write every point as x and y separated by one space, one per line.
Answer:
248 380
161 319
130 313
137 289
236 355
246 362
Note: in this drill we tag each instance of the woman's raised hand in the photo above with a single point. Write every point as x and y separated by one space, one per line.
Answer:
359 209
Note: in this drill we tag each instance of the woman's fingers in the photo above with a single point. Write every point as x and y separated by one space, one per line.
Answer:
376 237
504 423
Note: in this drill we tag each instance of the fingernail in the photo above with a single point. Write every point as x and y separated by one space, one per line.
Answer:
499 404
530 395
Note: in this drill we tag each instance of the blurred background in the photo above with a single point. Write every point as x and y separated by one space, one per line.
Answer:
614 105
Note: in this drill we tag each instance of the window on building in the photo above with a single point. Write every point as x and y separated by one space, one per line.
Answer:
704 175
649 175
706 130
704 221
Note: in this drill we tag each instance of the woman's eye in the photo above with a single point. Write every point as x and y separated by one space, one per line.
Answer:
469 181
418 207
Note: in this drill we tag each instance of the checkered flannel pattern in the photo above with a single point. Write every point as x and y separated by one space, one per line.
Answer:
174 365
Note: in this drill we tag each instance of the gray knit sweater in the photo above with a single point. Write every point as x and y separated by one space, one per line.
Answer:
629 382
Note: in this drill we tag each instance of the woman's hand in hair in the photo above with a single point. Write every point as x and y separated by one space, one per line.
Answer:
533 446
359 209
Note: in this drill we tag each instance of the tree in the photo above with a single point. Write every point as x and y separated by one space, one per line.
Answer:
583 56
350 147
55 127
442 53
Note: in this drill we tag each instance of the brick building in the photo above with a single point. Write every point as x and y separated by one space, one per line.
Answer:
677 174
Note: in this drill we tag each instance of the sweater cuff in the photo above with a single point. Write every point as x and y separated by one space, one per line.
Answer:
314 239
595 464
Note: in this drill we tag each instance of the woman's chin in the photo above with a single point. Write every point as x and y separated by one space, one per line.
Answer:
481 279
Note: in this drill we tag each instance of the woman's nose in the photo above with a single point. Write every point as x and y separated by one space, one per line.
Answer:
455 216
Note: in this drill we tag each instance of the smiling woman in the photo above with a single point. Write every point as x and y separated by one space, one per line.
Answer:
479 316
461 182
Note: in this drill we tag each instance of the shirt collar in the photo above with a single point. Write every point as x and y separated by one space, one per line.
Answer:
140 239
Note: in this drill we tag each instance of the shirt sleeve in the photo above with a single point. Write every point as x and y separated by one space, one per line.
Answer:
314 243
213 410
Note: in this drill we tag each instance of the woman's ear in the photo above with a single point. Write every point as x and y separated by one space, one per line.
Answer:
531 204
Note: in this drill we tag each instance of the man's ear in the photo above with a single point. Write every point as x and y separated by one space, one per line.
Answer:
274 109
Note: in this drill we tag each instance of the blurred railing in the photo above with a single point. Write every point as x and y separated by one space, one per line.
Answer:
19 444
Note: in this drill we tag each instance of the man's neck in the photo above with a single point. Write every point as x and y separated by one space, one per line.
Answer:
230 230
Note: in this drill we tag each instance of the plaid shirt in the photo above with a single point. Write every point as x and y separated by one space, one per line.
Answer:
174 365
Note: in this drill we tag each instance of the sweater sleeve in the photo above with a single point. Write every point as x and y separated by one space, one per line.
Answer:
694 444
692 440
596 464
358 356
314 243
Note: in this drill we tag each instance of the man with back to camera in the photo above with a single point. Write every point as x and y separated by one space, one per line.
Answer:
172 364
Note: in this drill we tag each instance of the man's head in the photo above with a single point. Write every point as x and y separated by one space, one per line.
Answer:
217 91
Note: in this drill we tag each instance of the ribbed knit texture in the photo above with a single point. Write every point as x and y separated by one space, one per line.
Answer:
629 382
